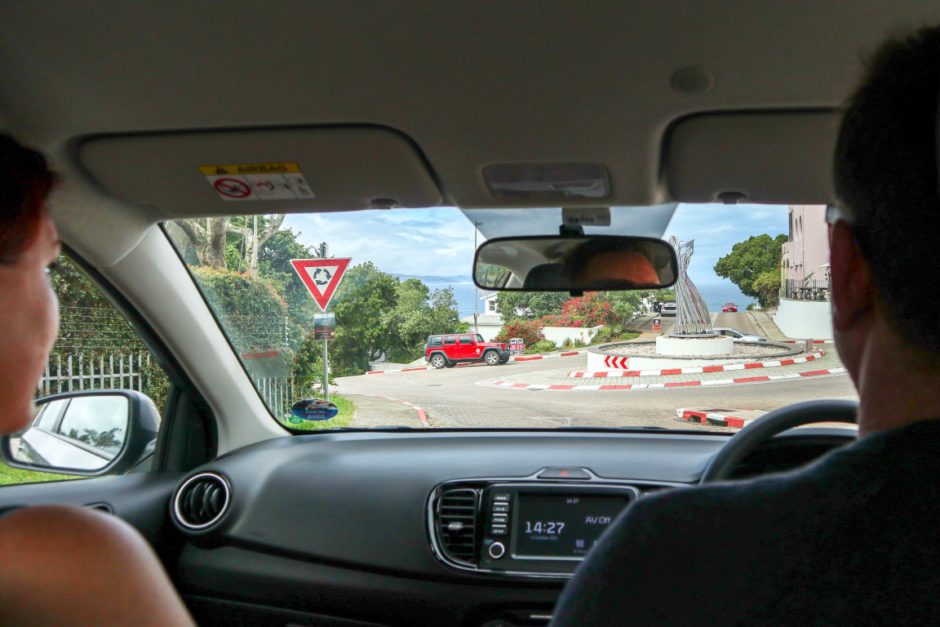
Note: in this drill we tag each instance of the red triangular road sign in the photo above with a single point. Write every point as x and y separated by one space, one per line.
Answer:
321 276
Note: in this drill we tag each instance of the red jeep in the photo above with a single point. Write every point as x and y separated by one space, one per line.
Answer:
450 350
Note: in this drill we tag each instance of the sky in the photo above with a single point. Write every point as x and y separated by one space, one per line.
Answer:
439 241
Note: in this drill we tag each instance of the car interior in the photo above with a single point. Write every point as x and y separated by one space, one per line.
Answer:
401 106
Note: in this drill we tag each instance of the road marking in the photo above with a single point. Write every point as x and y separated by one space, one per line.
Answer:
655 386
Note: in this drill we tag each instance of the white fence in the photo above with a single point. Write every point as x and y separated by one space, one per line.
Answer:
277 395
80 371
69 373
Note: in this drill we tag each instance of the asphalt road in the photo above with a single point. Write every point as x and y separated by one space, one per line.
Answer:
458 397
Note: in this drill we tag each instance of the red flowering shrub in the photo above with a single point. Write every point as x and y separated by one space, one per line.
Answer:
589 310
529 330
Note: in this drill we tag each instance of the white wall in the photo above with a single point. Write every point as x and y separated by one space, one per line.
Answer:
804 319
488 331
558 335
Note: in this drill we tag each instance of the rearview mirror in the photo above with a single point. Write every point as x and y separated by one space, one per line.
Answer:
85 433
577 263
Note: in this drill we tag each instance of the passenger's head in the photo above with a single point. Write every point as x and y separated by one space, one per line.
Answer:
886 180
28 307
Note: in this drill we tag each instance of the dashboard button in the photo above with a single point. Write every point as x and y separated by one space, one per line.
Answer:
575 474
498 530
500 498
497 550
500 519
501 508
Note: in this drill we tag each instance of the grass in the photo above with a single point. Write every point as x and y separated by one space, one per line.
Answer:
543 346
626 336
347 411
13 476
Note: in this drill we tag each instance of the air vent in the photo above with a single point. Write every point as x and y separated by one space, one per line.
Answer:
457 523
201 501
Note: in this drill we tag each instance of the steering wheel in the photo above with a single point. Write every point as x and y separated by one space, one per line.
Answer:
764 428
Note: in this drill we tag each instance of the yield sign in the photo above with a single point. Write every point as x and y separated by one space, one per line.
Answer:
321 276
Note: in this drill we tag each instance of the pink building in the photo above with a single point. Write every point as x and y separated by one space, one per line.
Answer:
805 262
804 311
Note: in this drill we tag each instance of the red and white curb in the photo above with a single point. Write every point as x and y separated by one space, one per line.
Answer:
602 374
422 415
417 369
707 417
657 386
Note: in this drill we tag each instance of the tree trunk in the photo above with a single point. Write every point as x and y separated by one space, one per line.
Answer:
215 251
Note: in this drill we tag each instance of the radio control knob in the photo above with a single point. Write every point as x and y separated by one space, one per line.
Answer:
497 550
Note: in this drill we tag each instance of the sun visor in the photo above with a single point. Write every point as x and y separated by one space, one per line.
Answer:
771 158
262 171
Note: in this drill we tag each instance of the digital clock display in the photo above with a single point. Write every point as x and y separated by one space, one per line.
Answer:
562 526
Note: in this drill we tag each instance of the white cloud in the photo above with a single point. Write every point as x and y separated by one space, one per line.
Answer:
439 242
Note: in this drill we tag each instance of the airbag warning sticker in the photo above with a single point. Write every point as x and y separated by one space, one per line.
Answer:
257 181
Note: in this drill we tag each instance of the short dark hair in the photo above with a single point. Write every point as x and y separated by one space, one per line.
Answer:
25 183
886 178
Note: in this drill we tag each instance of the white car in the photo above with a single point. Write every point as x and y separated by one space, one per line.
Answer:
739 336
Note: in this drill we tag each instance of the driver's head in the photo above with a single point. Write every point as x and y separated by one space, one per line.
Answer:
619 266
608 264
886 251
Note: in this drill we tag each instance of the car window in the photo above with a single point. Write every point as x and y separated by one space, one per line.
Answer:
97 349
398 284
98 421
49 414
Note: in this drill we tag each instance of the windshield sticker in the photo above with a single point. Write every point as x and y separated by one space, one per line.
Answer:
257 181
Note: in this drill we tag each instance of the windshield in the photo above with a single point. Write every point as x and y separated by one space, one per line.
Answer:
386 299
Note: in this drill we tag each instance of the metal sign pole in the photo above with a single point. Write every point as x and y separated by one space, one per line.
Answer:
326 370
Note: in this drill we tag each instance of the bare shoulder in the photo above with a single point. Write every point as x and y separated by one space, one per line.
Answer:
54 527
58 559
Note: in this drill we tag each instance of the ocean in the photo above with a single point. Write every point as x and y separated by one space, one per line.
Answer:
715 293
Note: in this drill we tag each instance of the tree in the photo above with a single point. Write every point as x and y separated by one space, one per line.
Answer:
529 305
255 232
409 321
274 266
767 286
251 310
749 259
207 235
445 315
624 305
363 306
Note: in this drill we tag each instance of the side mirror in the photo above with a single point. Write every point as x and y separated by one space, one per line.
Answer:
86 433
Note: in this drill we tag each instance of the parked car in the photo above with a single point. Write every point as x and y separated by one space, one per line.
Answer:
739 336
452 349
729 308
668 309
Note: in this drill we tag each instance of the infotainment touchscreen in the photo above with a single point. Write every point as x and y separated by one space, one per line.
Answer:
561 526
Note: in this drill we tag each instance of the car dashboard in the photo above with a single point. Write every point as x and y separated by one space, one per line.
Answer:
424 528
